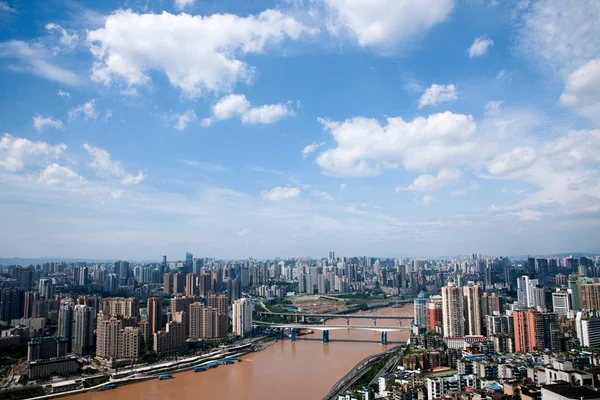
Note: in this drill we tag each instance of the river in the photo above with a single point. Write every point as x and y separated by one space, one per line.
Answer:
300 370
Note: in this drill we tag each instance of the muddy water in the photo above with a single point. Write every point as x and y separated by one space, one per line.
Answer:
300 370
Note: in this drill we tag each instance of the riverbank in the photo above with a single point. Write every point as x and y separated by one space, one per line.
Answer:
274 372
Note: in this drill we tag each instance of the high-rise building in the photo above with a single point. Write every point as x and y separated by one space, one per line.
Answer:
128 308
30 299
115 341
561 303
205 284
173 337
11 304
332 255
83 329
155 314
589 296
492 304
219 302
242 317
536 331
434 314
588 329
179 283
111 283
189 260
190 284
47 289
182 304
530 293
168 283
420 308
472 308
122 269
65 323
452 311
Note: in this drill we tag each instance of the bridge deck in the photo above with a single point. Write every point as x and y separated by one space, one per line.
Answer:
344 316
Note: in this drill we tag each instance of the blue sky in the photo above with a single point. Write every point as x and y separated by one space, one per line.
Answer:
290 128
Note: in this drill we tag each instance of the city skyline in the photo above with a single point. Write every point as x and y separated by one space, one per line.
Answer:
290 128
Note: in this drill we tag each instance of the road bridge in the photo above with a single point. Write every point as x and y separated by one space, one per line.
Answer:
345 316
293 328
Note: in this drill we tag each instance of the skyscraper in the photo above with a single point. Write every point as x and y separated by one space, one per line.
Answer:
189 259
561 303
434 314
420 306
11 304
473 316
168 284
242 317
155 314
65 323
179 283
83 329
190 284
452 311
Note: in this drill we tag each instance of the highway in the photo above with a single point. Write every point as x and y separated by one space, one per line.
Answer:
351 316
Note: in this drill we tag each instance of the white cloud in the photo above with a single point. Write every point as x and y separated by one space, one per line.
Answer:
493 107
182 120
560 36
428 199
516 160
425 182
5 9
40 122
385 22
66 40
576 148
501 75
198 54
436 94
34 58
236 105
59 176
117 194
459 192
365 147
480 46
322 195
104 167
311 148
88 110
582 90
281 193
17 153
108 114
343 186
181 4
207 166
62 93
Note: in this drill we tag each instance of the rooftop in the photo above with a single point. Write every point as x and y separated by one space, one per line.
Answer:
573 392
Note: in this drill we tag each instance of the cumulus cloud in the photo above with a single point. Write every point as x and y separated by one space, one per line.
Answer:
576 148
480 46
582 90
426 182
106 168
515 160
198 54
59 176
17 153
436 94
88 110
281 193
365 147
182 120
311 148
237 106
385 22
40 122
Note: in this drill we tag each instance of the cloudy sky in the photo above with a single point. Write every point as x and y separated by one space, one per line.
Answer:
132 129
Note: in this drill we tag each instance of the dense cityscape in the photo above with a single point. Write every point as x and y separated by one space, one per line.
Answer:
482 326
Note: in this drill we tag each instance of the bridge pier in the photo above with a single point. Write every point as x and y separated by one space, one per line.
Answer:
384 338
325 336
281 335
293 334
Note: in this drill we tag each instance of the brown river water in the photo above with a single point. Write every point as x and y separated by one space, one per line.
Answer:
302 370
